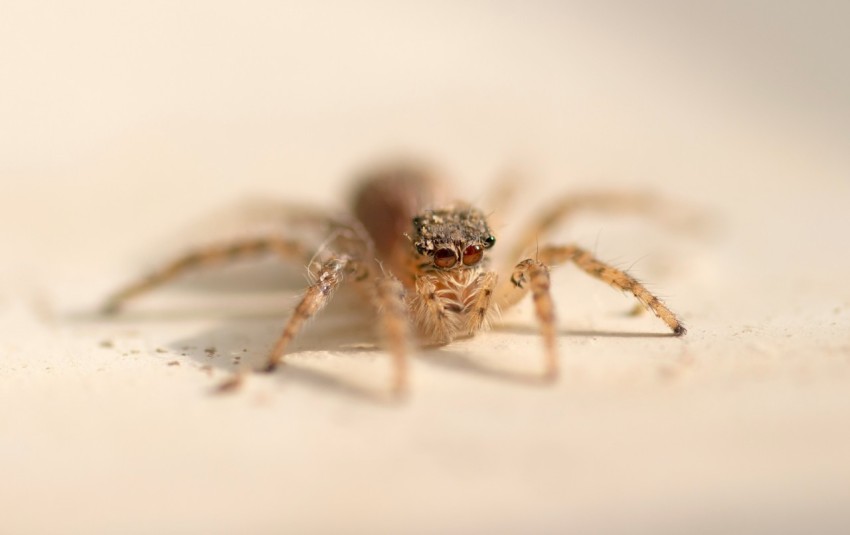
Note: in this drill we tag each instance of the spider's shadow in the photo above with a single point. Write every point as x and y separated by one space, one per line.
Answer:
517 328
241 339
241 343
463 361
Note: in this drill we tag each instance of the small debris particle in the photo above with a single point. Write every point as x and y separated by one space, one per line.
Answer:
108 344
637 310
244 350
183 354
208 369
160 350
134 351
174 363
210 351
231 384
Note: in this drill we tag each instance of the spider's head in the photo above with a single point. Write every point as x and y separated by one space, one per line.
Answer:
452 238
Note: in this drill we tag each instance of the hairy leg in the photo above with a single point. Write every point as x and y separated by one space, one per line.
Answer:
319 293
599 202
480 305
394 327
554 255
437 318
533 275
217 254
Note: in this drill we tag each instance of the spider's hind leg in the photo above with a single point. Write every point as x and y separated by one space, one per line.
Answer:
212 255
604 202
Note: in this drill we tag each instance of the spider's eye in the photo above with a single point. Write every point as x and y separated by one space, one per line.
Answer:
489 241
445 258
472 255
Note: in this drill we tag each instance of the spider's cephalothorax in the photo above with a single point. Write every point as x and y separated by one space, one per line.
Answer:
434 276
452 238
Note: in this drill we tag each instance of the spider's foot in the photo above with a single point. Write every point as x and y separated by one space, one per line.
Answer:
680 330
270 367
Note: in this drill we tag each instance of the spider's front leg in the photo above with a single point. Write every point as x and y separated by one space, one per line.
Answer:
437 316
533 275
555 255
480 303
617 278
387 297
327 280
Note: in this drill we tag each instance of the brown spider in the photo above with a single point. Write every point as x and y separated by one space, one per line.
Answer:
423 264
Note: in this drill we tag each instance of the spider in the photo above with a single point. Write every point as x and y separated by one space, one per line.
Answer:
423 263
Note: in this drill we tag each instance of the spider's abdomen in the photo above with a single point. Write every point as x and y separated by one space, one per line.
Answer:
385 203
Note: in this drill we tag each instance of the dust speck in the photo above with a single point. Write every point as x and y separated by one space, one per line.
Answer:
231 384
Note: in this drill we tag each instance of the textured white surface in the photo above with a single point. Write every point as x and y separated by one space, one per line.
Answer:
122 124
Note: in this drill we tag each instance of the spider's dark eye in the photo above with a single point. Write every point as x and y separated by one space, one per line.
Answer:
489 241
472 255
445 258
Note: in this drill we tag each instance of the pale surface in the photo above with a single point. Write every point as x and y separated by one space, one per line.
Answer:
122 125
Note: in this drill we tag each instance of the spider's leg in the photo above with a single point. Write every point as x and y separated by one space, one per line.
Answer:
533 275
605 203
554 255
327 280
615 277
479 305
393 326
437 315
215 254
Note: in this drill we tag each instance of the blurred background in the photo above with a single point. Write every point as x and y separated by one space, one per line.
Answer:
121 122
